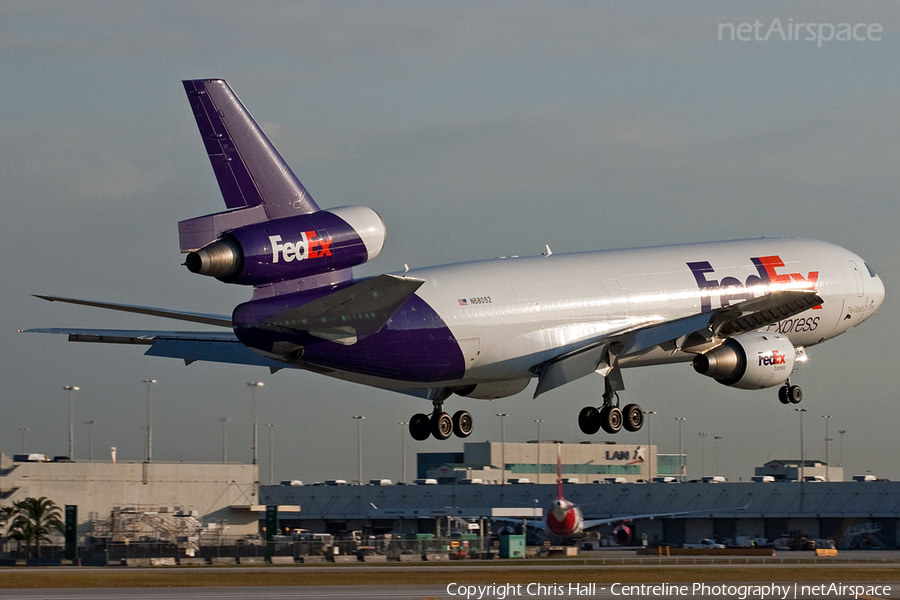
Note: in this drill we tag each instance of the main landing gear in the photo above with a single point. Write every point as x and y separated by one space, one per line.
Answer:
610 417
439 424
790 394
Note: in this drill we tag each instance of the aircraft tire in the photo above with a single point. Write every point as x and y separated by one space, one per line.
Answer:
611 419
783 395
633 417
441 426
463 424
589 420
795 394
420 427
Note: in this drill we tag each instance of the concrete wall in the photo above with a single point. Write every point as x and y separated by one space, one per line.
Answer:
96 488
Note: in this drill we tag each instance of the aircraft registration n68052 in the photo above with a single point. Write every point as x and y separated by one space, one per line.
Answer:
744 312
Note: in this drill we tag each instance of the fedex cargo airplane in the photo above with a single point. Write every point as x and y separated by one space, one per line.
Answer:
743 312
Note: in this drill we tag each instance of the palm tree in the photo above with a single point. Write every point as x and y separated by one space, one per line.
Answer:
35 519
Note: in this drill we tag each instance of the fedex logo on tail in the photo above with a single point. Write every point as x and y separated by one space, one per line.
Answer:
309 246
766 273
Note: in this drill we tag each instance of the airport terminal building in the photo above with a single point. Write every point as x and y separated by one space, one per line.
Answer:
465 492
533 462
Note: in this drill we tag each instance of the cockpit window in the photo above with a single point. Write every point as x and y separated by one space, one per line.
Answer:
871 272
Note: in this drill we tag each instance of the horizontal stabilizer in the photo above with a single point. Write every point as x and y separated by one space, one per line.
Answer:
360 309
204 318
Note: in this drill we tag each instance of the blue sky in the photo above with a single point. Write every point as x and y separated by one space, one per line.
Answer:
475 130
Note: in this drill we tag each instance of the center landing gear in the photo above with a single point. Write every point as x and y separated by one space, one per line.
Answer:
790 394
439 424
610 417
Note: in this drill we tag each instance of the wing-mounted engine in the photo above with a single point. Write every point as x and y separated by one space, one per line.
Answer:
288 248
750 361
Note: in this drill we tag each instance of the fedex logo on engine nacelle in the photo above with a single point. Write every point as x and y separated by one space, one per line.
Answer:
307 247
771 360
766 273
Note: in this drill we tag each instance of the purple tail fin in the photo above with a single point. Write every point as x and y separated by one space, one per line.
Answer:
248 168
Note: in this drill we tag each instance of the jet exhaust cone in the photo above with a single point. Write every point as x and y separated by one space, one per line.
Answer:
222 259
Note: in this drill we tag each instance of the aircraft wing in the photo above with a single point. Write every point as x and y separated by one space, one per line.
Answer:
693 330
362 308
591 523
204 318
190 346
359 309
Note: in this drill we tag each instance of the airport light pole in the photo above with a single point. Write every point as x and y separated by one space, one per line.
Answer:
801 411
802 462
359 419
90 425
71 389
150 383
842 432
650 413
538 421
23 431
224 421
718 439
827 439
254 385
703 435
271 427
403 425
502 449
681 421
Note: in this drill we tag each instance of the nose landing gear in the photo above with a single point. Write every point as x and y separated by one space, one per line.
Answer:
790 394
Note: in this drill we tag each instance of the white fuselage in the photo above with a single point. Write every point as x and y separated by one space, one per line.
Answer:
511 314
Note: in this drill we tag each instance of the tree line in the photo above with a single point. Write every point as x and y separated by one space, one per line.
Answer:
32 521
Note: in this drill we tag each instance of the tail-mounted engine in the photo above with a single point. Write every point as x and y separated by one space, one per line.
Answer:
750 361
292 247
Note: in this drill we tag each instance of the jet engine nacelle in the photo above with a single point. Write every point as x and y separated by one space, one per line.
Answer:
292 247
750 361
623 535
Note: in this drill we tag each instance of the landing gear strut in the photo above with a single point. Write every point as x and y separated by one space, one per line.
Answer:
610 417
439 424
790 394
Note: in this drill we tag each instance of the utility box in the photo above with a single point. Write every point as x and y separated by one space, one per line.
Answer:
512 546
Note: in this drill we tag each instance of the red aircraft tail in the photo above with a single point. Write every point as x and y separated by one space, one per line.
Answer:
559 482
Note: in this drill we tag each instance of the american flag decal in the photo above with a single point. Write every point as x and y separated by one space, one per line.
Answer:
463 302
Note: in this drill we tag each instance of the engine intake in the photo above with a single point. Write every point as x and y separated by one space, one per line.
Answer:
750 361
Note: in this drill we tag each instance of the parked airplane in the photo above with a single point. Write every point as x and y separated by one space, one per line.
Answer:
743 311
564 519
